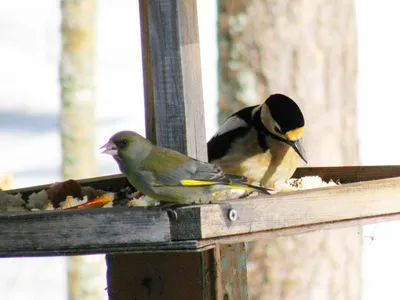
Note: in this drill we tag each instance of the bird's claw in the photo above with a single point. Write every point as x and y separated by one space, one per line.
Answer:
172 214
170 209
245 195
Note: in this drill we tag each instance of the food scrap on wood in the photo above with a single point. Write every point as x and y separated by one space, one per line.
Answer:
71 195
61 195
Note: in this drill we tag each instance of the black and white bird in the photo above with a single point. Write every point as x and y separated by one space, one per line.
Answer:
261 142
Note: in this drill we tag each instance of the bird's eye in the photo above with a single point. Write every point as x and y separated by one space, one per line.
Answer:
278 130
122 143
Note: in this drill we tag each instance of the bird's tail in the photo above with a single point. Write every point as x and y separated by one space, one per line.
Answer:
229 181
240 182
251 188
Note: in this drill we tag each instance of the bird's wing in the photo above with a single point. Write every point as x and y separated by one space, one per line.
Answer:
233 127
173 168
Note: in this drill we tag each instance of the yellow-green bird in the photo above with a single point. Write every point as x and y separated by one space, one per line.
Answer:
167 175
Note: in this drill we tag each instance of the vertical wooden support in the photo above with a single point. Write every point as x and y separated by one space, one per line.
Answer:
172 75
175 119
162 276
233 271
219 274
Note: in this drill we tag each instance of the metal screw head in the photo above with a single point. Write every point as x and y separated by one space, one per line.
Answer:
232 215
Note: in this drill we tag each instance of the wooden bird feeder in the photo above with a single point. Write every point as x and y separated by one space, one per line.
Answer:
199 253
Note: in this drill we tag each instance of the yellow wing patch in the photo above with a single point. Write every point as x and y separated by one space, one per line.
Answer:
191 182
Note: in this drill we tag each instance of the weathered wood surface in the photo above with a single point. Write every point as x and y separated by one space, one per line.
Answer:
202 226
162 275
80 231
350 173
174 119
216 273
172 76
233 268
340 204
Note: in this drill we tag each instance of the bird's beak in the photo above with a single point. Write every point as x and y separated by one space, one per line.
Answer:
297 145
109 148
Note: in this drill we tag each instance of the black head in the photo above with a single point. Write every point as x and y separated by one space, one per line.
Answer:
281 116
285 112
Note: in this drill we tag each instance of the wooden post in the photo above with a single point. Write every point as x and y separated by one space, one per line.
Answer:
172 76
175 119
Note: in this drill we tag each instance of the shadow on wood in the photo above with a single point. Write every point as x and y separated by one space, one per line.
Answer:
212 274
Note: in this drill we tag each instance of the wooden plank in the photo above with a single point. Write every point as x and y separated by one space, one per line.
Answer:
350 173
174 119
233 268
218 273
300 229
91 230
286 210
45 233
122 248
162 276
172 76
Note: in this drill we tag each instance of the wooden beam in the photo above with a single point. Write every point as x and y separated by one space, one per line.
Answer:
349 174
175 120
198 227
80 231
189 275
233 269
220 276
287 210
172 76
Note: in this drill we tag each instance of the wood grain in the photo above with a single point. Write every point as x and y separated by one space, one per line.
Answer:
233 268
89 230
172 76
349 174
202 226
174 119
286 210
159 276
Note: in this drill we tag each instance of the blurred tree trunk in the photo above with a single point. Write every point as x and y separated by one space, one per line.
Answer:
307 50
77 76
86 274
6 180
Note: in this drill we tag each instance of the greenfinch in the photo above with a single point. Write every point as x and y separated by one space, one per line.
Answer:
167 175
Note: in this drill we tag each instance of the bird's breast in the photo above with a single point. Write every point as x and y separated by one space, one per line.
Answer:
284 161
247 158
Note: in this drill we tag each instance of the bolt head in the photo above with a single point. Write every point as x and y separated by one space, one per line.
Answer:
232 215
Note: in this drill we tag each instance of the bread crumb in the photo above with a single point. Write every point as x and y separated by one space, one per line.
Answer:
302 183
38 201
143 201
10 202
